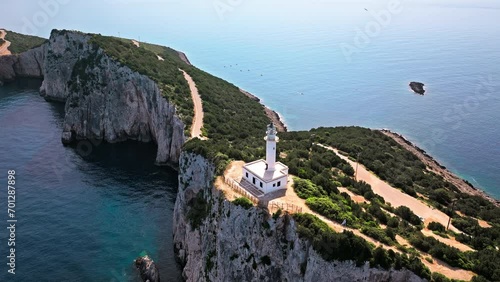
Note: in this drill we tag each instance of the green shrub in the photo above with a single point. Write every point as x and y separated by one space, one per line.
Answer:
199 210
377 234
277 214
406 214
243 202
450 255
436 226
438 277
466 224
306 189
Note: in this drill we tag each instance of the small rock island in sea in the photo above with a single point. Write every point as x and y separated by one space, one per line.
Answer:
417 87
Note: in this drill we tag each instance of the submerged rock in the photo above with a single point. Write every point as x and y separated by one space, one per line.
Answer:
417 87
147 268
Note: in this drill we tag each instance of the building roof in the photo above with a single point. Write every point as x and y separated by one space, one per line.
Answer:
258 168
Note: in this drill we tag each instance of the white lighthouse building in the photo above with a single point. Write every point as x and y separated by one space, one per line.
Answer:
267 175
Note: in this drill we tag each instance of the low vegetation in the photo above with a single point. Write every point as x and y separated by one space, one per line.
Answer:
198 211
144 61
243 202
346 246
320 170
235 124
21 43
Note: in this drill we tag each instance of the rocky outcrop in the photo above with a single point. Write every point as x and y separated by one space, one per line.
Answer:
7 72
216 240
417 87
27 64
147 268
105 100
64 51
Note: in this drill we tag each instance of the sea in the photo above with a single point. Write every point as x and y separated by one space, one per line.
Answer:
85 217
83 213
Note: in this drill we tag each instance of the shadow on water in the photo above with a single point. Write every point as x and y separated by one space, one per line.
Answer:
24 84
104 206
126 162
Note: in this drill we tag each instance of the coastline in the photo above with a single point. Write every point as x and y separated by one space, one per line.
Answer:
273 115
463 185
184 58
432 164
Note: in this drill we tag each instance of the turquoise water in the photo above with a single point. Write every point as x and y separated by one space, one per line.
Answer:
86 219
80 218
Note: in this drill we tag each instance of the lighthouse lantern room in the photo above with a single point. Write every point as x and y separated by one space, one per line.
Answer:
267 175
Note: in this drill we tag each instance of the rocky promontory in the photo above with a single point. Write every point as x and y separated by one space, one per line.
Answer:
27 64
226 242
104 99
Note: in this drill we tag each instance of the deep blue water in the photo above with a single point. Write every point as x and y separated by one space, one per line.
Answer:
80 218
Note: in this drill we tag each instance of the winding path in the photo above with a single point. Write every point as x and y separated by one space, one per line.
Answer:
198 107
394 196
4 48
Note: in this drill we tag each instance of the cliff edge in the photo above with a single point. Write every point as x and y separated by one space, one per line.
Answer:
216 240
104 99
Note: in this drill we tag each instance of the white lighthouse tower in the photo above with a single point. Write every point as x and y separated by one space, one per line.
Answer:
267 175
271 140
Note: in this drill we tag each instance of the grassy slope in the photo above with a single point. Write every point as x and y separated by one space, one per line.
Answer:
21 43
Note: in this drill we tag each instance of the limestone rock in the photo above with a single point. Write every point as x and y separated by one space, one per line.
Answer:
147 268
235 244
31 63
7 72
27 64
105 100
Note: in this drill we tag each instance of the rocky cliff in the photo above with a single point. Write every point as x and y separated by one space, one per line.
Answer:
28 64
216 240
105 100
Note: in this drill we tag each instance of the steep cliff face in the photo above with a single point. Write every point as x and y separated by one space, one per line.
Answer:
104 99
64 50
28 64
235 244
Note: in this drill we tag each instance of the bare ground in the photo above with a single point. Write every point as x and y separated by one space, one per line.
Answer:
198 107
184 58
4 48
394 196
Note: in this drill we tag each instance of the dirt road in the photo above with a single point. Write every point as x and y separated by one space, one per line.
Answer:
198 107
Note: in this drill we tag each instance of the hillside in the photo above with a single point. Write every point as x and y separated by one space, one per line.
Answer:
21 42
